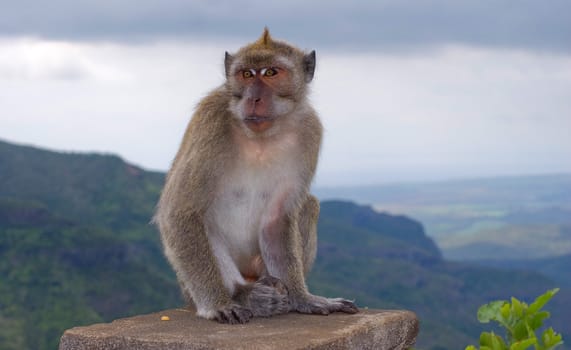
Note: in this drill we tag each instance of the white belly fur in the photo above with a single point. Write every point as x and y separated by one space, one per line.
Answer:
263 183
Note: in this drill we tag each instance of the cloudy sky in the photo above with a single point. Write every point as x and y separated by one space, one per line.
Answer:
407 90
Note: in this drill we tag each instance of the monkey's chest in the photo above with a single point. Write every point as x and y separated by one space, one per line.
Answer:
249 200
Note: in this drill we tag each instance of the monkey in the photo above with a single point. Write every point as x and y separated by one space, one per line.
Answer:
236 219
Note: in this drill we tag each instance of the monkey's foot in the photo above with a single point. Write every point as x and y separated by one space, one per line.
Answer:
268 296
314 304
233 314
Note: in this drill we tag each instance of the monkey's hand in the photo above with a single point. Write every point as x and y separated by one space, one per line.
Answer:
314 304
233 314
266 297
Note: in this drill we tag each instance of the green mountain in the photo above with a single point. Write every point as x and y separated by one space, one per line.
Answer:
75 244
76 248
514 217
91 189
556 268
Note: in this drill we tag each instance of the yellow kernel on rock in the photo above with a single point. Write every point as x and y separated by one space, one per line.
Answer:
165 318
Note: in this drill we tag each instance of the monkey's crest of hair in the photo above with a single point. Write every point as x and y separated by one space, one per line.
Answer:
267 47
265 41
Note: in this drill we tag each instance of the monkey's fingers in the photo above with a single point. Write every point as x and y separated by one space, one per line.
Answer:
313 304
233 314
348 306
312 308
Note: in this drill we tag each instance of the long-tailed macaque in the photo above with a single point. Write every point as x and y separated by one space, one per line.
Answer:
236 218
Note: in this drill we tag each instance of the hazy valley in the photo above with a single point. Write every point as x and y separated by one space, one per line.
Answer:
491 219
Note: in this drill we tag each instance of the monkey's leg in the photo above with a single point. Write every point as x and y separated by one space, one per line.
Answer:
199 273
288 259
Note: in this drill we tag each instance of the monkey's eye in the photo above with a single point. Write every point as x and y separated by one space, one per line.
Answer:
246 74
269 72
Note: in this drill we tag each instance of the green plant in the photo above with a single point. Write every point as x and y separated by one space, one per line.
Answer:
521 322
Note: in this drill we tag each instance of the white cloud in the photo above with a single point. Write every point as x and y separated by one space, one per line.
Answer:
133 100
454 112
458 111
33 59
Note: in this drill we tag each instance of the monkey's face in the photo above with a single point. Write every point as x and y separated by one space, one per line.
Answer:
267 80
264 89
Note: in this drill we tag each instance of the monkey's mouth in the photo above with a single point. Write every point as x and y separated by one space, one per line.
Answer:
258 123
257 119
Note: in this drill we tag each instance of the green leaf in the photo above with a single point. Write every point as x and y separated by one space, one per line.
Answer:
536 321
541 300
505 311
551 339
490 311
517 308
520 331
524 344
492 341
486 339
498 343
521 322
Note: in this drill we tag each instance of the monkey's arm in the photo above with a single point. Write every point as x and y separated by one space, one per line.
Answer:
187 249
282 251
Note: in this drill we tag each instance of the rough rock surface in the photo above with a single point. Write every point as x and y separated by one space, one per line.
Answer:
369 329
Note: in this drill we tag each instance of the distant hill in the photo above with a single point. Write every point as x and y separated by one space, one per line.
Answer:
512 217
90 188
76 248
556 268
515 191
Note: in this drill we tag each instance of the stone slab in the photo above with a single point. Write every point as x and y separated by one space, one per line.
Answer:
369 329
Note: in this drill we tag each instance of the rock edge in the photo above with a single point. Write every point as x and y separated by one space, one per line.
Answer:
369 329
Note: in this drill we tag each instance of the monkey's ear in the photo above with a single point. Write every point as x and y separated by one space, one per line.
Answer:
228 59
309 66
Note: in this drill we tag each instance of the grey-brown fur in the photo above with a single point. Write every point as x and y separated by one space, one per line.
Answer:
208 153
